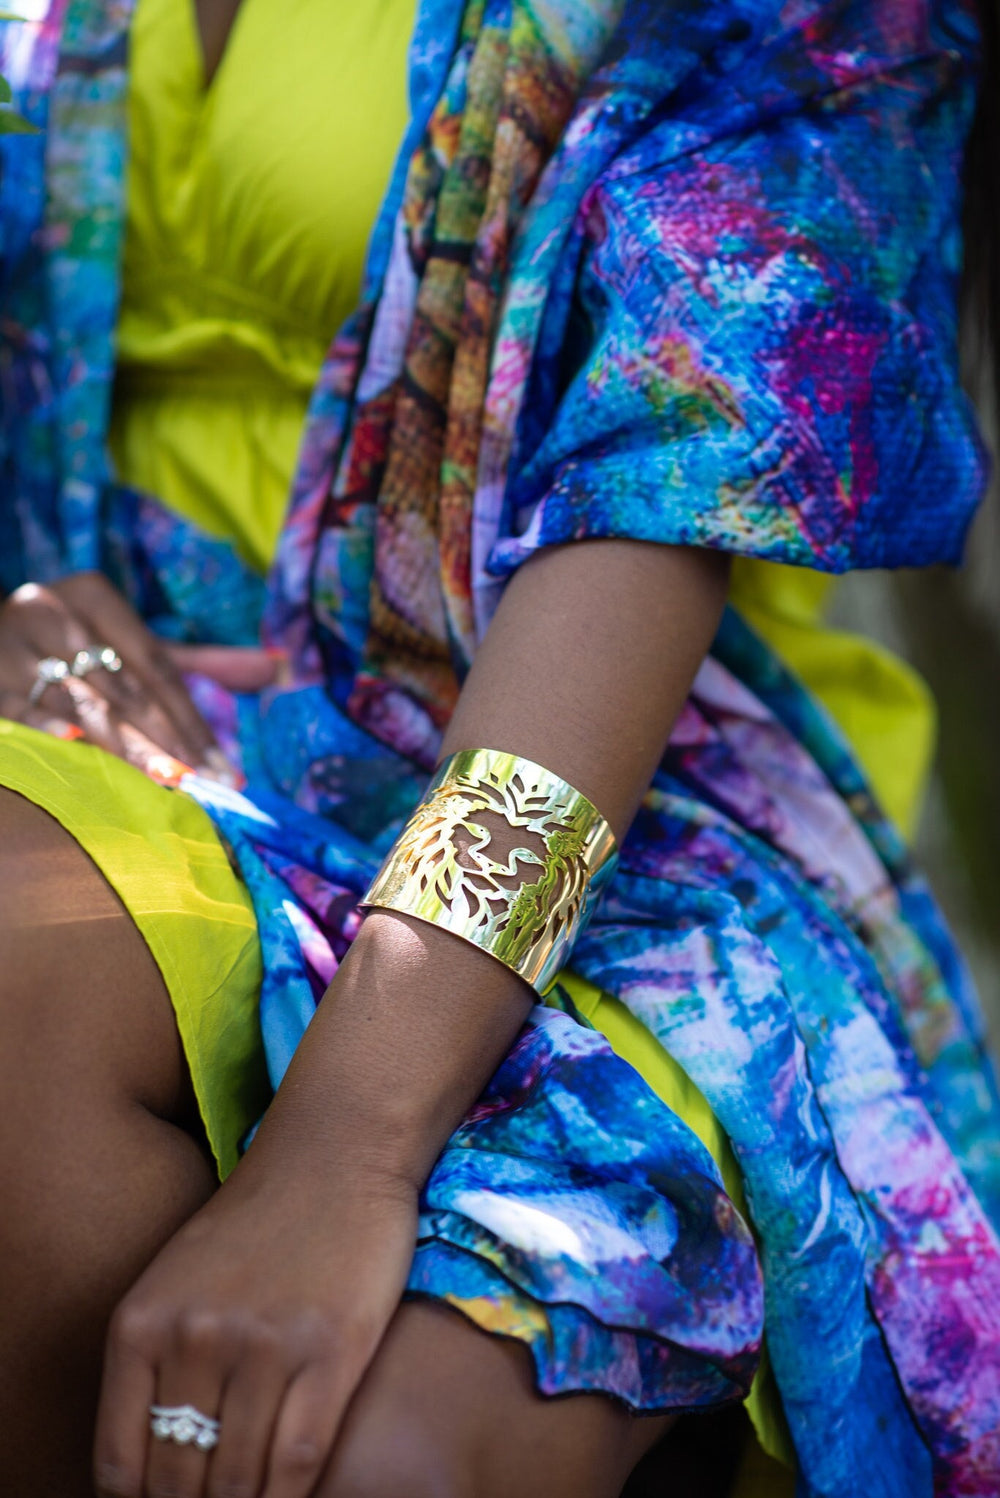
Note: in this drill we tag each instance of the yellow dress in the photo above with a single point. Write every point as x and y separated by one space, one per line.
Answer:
249 210
237 271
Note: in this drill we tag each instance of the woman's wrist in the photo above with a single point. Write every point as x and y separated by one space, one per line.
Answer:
505 855
407 1035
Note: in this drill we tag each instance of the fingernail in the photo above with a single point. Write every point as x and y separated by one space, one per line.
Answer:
283 664
228 779
165 770
217 767
217 761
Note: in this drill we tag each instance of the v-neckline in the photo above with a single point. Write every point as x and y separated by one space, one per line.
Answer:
207 84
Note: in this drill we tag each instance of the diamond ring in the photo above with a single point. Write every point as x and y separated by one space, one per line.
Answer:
184 1425
47 673
95 658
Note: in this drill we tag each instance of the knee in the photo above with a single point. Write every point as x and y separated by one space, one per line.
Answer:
405 1460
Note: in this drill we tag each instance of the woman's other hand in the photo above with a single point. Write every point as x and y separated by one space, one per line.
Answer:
141 712
266 1309
263 1312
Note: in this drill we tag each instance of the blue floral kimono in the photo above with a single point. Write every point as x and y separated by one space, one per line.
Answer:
684 272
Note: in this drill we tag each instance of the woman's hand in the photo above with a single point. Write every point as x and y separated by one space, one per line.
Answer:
264 1311
142 712
267 1308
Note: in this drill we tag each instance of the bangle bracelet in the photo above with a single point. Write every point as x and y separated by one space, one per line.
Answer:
525 906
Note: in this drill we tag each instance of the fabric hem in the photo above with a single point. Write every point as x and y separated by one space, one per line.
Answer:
181 1000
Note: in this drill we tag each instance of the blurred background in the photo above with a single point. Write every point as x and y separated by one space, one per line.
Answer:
946 623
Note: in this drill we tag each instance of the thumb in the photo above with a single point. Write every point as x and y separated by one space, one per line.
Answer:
238 668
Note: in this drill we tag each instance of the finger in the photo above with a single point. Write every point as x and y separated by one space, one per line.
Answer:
102 725
148 691
192 1374
127 1388
54 726
116 714
111 620
82 704
35 627
133 703
46 627
50 712
106 700
305 1430
162 679
148 757
249 1409
136 698
14 704
237 668
104 728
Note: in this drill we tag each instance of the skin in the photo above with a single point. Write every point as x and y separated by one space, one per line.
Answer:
141 713
215 22
274 1302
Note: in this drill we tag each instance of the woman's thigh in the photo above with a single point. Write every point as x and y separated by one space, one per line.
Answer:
448 1411
98 1165
98 1168
82 1002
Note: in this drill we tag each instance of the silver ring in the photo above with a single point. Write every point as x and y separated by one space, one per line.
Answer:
48 673
184 1425
95 658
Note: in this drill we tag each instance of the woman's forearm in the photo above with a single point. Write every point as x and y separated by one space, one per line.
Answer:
584 670
588 662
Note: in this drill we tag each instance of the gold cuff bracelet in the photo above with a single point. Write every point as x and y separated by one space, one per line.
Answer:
523 894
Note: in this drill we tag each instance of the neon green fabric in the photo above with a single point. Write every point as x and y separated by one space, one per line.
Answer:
249 210
883 706
161 854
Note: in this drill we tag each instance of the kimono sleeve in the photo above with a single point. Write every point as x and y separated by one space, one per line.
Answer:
771 361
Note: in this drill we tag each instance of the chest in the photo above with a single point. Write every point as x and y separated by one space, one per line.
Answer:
266 178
